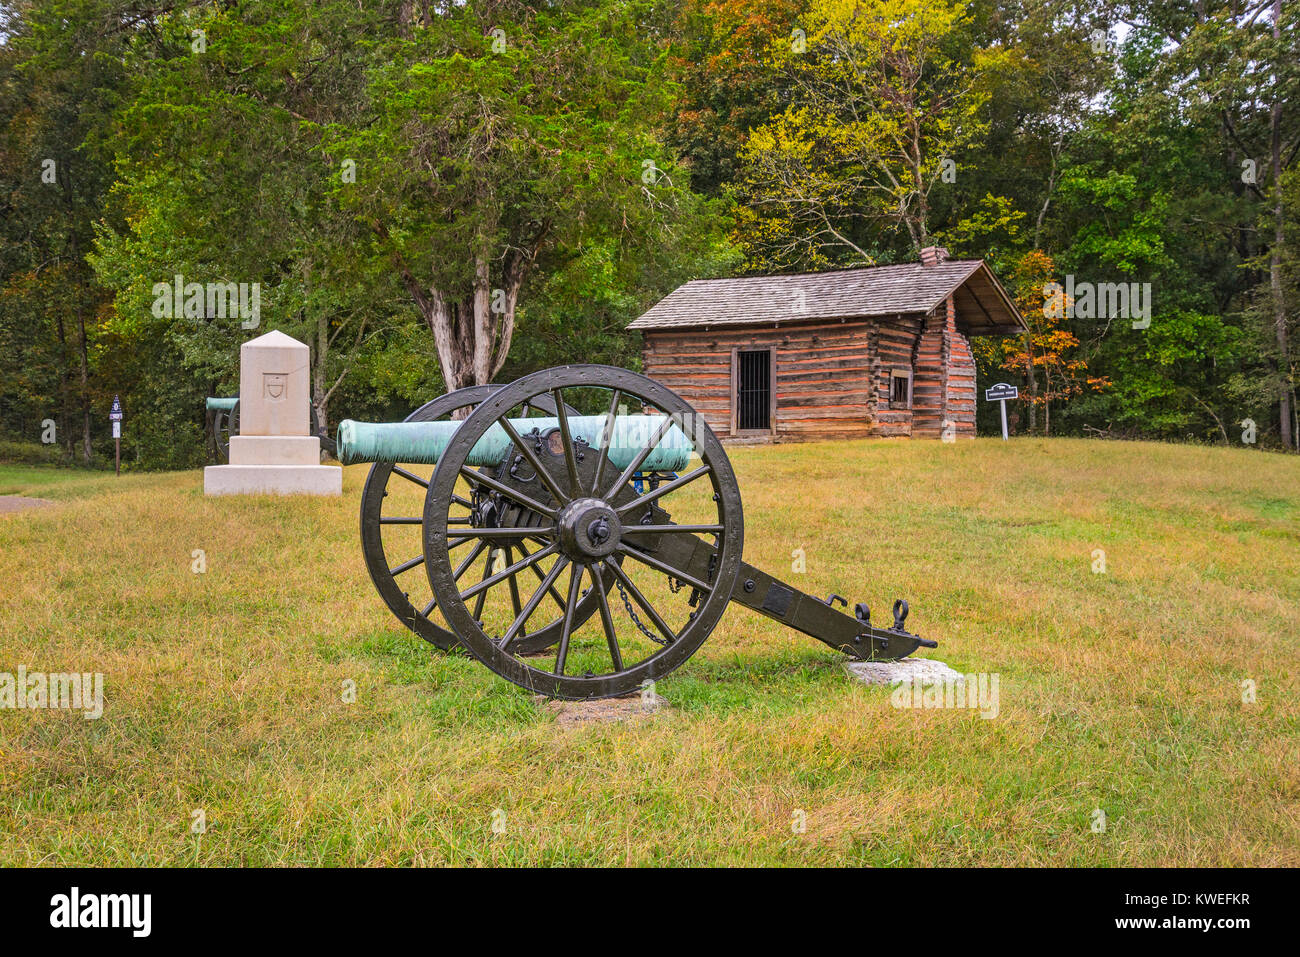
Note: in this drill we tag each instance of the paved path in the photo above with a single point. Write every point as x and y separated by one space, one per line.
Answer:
18 503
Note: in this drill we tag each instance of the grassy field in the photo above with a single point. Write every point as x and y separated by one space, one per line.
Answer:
1120 691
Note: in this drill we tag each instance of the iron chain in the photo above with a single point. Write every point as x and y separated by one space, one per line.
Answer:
635 619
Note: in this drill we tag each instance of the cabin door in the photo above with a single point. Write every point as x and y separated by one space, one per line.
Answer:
752 403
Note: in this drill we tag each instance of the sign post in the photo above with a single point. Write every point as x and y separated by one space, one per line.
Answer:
1000 393
115 416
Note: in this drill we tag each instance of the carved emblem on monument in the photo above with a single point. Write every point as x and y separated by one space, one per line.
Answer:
273 384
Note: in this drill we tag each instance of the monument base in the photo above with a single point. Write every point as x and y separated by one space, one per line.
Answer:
274 450
272 480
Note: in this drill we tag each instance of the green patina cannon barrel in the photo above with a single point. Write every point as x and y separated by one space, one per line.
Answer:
424 442
222 405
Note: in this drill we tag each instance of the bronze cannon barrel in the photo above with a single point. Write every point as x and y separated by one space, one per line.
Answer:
424 442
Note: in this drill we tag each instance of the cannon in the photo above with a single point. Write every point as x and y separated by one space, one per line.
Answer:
580 531
223 422
223 419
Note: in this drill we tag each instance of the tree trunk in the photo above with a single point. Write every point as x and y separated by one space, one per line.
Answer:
85 384
64 427
84 357
472 341
319 398
1275 261
1033 384
482 307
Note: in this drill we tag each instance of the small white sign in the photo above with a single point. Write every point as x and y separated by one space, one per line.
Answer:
1000 393
117 430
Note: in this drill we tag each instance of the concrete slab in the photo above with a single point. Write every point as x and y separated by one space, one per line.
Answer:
905 669
20 503
272 480
274 450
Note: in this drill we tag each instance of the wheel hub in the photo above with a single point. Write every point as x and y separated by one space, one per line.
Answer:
589 529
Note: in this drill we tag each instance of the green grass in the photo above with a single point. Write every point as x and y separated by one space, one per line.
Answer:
43 481
1119 691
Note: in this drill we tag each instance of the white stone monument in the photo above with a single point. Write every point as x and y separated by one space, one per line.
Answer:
273 452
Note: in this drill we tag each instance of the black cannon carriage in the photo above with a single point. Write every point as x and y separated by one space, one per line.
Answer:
552 502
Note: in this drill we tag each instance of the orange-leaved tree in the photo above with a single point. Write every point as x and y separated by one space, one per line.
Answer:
1047 354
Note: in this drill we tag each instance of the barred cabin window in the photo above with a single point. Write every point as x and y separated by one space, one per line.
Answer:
900 388
754 390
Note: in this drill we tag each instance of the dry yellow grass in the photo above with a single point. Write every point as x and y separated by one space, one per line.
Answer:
1120 691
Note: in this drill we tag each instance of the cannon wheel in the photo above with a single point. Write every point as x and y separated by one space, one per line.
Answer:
224 425
327 444
397 596
586 491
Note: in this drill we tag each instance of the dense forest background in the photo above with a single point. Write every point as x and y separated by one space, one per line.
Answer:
436 194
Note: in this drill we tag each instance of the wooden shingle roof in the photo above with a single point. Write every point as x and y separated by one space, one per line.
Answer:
983 306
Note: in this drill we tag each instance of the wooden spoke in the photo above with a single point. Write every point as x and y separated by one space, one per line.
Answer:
647 559
410 477
672 486
529 532
570 463
505 573
511 493
640 599
606 436
641 456
562 655
671 529
406 566
416 520
482 596
527 451
606 619
515 604
547 582
460 570
559 602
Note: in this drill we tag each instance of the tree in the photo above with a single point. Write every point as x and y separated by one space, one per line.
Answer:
720 59
1047 354
58 73
886 98
1239 61
224 178
497 141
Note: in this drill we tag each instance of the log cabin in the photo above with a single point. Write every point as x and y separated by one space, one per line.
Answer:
878 351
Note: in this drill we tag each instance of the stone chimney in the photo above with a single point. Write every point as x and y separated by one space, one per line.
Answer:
933 255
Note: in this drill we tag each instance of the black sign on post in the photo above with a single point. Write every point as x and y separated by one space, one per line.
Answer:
115 416
1000 393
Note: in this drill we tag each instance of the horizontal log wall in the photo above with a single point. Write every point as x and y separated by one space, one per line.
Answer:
893 346
944 392
823 375
831 379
